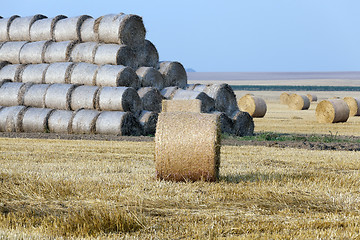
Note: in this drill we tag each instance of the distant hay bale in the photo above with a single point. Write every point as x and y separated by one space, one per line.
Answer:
43 29
84 74
60 121
10 51
4 28
224 96
298 102
122 29
148 122
84 97
150 77
35 95
147 55
207 103
116 75
284 98
115 54
19 29
226 123
36 120
84 52
34 73
174 74
59 51
59 72
89 31
118 123
193 105
169 92
83 121
12 93
354 105
151 99
68 29
10 118
312 97
332 111
33 52
58 96
11 72
255 106
187 146
243 124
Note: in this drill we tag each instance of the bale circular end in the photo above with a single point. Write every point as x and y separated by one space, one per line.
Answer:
150 77
174 74
284 98
298 102
243 124
255 106
332 111
354 105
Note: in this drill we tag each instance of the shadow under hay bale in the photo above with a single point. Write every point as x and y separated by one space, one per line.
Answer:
4 28
58 96
89 30
10 118
226 123
60 121
10 51
84 74
150 77
34 96
169 92
11 72
193 105
354 105
59 72
36 120
118 123
243 124
116 55
312 97
33 52
68 29
148 121
207 103
116 76
255 106
173 73
12 93
284 98
147 55
151 99
59 51
19 29
33 73
187 146
84 97
298 102
84 52
332 111
84 121
43 29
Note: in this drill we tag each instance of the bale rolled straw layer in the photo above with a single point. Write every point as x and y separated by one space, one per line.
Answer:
60 121
68 29
34 73
173 73
148 122
59 51
34 96
150 77
115 54
10 51
332 111
33 52
312 97
84 74
10 118
84 52
151 99
58 96
84 97
89 30
116 75
354 105
4 28
207 103
187 146
11 72
118 123
84 121
243 124
255 106
19 29
298 102
284 98
59 72
193 105
12 93
36 120
43 29
147 55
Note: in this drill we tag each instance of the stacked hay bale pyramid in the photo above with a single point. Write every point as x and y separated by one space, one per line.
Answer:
85 75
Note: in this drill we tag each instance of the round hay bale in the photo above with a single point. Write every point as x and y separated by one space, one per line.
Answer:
69 28
312 97
33 52
243 124
187 146
123 99
147 55
148 122
226 123
122 29
4 28
224 96
35 95
255 106
11 118
84 52
58 96
115 54
59 72
298 102
174 74
284 98
12 93
60 121
354 105
36 120
207 103
10 51
43 29
332 111
89 31
151 99
118 123
168 92
84 97
34 73
58 51
11 72
84 74
84 121
150 77
116 75
19 29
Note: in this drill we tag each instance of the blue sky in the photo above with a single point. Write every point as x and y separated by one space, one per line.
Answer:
234 35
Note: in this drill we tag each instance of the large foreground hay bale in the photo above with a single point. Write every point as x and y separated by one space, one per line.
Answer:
10 118
89 30
354 105
284 98
11 72
84 52
69 28
12 93
298 102
84 97
59 72
174 74
226 123
33 52
187 146
58 96
151 99
19 29
84 74
148 121
84 121
207 103
255 106
60 121
35 95
115 54
243 124
332 111
34 73
36 120
150 77
122 29
118 123
312 97
169 92
58 51
43 29
193 105
116 75
4 28
147 55
10 51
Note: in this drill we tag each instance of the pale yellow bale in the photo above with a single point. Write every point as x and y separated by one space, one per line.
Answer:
193 105
298 102
312 97
255 106
354 105
284 98
332 111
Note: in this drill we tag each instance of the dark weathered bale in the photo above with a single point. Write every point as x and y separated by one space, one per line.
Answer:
34 96
33 52
84 52
207 103
10 51
115 54
34 73
84 121
169 92
116 75
174 74
59 72
19 29
4 28
150 77
243 124
151 99
60 121
58 51
69 28
58 96
147 55
36 120
12 93
148 122
118 123
226 123
10 118
11 72
84 97
43 29
84 74
89 30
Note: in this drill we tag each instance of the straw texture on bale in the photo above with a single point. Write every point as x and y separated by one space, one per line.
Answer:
298 102
118 123
84 97
4 28
12 93
69 28
84 74
60 121
151 99
193 105
35 95
84 52
43 29
243 124
84 121
207 103
89 30
59 72
169 92
117 75
354 105
150 77
187 146
58 96
173 73
122 29
226 123
10 118
148 122
19 29
33 52
123 99
332 111
255 106
10 51
58 51
11 72
284 98
312 97
36 120
147 55
34 73
115 54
